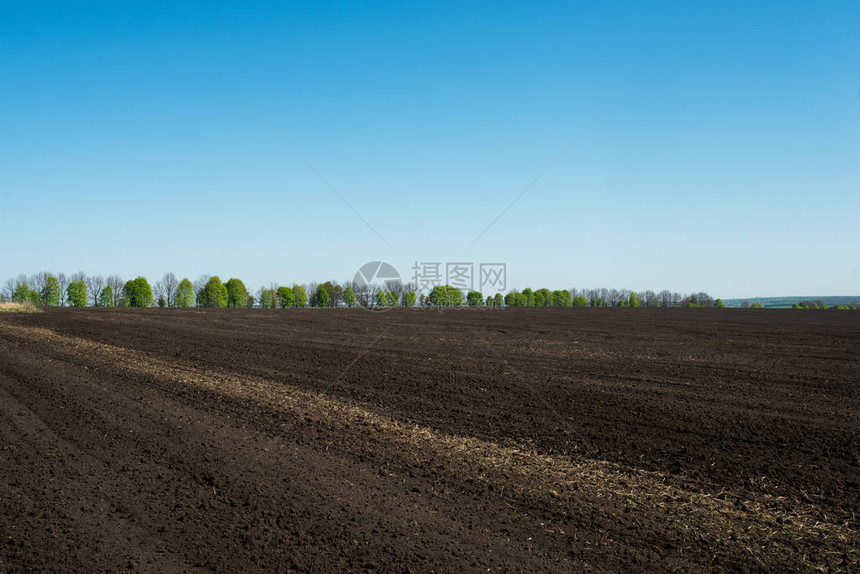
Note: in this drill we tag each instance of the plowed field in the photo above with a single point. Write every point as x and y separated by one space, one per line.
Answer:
419 440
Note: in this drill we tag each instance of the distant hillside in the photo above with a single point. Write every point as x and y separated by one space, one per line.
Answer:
787 302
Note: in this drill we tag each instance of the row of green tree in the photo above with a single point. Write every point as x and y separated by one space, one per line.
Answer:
80 290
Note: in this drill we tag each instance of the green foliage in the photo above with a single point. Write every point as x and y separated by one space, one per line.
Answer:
756 306
268 299
446 296
517 299
387 298
498 300
410 299
580 301
393 298
335 294
633 300
300 298
237 294
162 302
76 294
214 294
184 294
561 298
349 296
24 294
322 297
719 304
50 295
285 297
474 299
530 297
546 296
21 293
539 298
106 297
138 293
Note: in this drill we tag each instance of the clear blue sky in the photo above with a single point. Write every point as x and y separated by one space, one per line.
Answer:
727 159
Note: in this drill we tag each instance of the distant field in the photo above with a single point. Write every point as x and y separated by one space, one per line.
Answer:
787 302
552 440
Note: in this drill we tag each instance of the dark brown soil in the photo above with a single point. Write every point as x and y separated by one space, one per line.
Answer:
525 440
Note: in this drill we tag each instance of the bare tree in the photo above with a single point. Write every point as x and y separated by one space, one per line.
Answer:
166 288
613 297
9 287
38 282
78 276
116 284
311 292
665 298
63 281
703 299
95 284
650 299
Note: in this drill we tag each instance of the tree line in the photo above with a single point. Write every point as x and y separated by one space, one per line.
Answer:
82 290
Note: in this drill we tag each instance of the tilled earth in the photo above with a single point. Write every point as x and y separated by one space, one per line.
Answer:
420 440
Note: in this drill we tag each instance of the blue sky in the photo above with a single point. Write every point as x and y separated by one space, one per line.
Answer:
726 158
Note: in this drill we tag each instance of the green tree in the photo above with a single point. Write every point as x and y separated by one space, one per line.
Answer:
21 294
268 299
138 292
214 294
185 294
546 295
498 300
162 302
349 296
633 300
580 301
409 299
540 301
719 304
285 297
300 298
106 297
530 297
237 294
335 292
517 299
76 294
393 298
322 297
446 296
474 299
51 292
756 306
558 298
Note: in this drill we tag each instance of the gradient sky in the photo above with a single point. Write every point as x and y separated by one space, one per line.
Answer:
727 158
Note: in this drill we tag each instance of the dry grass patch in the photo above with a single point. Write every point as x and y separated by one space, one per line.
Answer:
19 308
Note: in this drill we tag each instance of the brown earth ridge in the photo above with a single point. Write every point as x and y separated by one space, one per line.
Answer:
551 440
